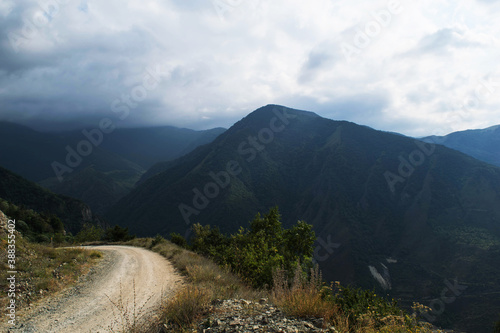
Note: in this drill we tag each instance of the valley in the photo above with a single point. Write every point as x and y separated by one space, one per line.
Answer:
409 218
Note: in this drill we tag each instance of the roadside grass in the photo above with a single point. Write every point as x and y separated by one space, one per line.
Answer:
42 270
347 309
206 282
130 316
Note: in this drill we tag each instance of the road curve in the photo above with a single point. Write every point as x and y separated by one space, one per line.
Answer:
105 300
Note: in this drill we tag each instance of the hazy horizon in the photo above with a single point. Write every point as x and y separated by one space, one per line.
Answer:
413 68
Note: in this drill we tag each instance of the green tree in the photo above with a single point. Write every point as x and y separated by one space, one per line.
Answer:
209 241
178 240
89 233
117 234
256 252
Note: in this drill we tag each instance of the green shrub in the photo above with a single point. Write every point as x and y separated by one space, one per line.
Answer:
357 303
157 240
117 234
89 233
177 239
256 252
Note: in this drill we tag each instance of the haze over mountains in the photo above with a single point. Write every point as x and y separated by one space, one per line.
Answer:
73 213
95 167
405 216
483 144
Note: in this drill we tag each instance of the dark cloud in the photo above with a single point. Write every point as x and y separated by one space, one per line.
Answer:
216 67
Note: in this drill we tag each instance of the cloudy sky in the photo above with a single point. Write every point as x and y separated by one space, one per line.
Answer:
414 67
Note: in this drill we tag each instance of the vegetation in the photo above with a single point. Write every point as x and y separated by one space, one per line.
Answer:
29 196
496 329
34 226
333 172
41 269
255 253
93 233
207 282
296 288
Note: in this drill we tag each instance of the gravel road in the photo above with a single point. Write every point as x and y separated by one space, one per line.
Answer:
104 300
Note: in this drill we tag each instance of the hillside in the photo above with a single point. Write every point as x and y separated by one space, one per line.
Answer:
483 144
414 227
21 192
100 178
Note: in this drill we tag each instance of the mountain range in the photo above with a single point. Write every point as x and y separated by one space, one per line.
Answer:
405 216
73 213
417 219
483 144
90 165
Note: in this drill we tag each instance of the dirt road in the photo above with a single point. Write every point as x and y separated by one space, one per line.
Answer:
104 301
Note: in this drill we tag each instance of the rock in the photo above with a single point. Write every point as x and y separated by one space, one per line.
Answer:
308 325
234 322
319 323
233 315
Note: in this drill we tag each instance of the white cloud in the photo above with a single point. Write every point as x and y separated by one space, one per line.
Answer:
413 74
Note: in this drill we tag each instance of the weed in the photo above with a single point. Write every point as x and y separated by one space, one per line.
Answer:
129 318
187 307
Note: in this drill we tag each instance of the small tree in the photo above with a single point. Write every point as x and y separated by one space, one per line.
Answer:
256 252
117 234
177 239
89 233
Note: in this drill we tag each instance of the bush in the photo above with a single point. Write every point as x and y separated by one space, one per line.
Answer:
304 297
177 239
365 307
58 238
157 240
89 233
187 307
256 252
117 234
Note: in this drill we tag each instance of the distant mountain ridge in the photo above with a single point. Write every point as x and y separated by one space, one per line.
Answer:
21 192
483 144
410 214
91 165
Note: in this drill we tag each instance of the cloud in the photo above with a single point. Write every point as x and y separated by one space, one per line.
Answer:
221 59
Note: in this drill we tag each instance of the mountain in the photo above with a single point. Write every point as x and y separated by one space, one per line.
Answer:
148 146
21 192
418 221
483 144
91 165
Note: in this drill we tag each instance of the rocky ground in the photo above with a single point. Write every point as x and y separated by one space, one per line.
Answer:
248 316
239 315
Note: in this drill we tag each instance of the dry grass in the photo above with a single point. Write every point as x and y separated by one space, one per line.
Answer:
187 307
202 272
309 297
305 297
43 270
206 282
130 317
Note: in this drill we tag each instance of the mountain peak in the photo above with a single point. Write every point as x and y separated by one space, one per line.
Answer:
280 108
